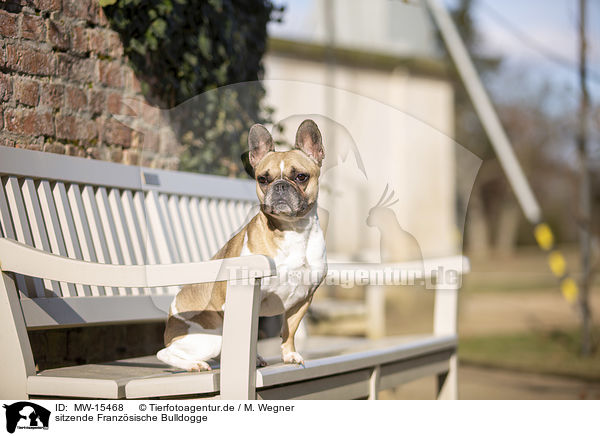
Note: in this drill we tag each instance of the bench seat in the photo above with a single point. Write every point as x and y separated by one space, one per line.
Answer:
399 359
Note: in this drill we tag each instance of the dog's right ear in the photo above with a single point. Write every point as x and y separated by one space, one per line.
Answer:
260 142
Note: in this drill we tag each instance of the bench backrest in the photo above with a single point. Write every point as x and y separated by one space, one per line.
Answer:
111 213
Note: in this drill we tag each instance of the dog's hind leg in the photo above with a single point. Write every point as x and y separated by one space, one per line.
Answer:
190 352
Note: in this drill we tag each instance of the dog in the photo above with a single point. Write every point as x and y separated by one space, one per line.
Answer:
286 228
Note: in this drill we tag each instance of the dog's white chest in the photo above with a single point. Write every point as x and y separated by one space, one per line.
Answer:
301 264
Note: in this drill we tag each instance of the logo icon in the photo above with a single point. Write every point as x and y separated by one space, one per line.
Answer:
26 415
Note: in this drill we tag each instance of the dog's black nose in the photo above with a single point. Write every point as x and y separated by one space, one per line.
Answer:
280 186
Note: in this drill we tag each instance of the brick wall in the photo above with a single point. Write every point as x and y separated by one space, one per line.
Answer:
62 77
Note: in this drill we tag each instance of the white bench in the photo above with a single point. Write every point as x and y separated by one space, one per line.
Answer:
87 243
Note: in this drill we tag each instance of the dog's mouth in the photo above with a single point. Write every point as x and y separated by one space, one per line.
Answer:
279 207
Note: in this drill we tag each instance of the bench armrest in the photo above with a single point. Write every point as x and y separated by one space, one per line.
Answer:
23 259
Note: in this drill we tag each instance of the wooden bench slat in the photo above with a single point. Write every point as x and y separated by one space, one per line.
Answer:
122 233
69 231
34 286
38 229
107 219
43 313
23 259
217 222
182 203
136 227
8 230
229 227
55 233
205 238
100 242
156 222
83 232
172 209
169 227
149 244
401 357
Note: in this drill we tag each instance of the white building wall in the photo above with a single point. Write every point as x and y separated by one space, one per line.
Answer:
398 123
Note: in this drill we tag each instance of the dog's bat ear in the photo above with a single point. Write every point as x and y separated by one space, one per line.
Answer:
246 162
260 142
308 139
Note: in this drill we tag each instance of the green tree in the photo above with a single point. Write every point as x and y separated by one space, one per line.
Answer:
180 49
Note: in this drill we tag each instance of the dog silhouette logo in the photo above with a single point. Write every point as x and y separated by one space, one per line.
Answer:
26 415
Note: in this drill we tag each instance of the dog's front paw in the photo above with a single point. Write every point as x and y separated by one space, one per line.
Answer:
293 357
200 366
260 362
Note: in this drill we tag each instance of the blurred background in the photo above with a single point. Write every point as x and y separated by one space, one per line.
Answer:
177 84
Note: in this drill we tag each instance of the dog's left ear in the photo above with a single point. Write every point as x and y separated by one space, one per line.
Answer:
308 139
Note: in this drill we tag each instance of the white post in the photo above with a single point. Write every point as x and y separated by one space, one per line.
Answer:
375 299
240 334
445 316
17 359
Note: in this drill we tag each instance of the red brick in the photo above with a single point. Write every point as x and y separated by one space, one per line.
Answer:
76 69
116 155
8 24
79 39
6 142
28 60
133 82
5 87
52 95
47 5
116 133
28 122
29 146
74 150
75 98
111 74
33 27
142 110
75 128
114 103
147 141
58 34
96 101
131 157
27 92
83 9
104 42
54 147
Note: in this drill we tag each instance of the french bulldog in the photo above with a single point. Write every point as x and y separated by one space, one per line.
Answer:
286 228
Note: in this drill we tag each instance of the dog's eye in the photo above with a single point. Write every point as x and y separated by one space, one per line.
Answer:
302 177
261 179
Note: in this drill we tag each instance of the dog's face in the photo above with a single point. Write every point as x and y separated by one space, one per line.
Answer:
287 183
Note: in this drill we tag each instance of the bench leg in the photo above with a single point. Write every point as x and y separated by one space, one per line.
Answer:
17 359
374 383
447 383
375 299
240 334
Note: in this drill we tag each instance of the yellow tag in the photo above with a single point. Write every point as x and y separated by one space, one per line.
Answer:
557 263
569 289
543 236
